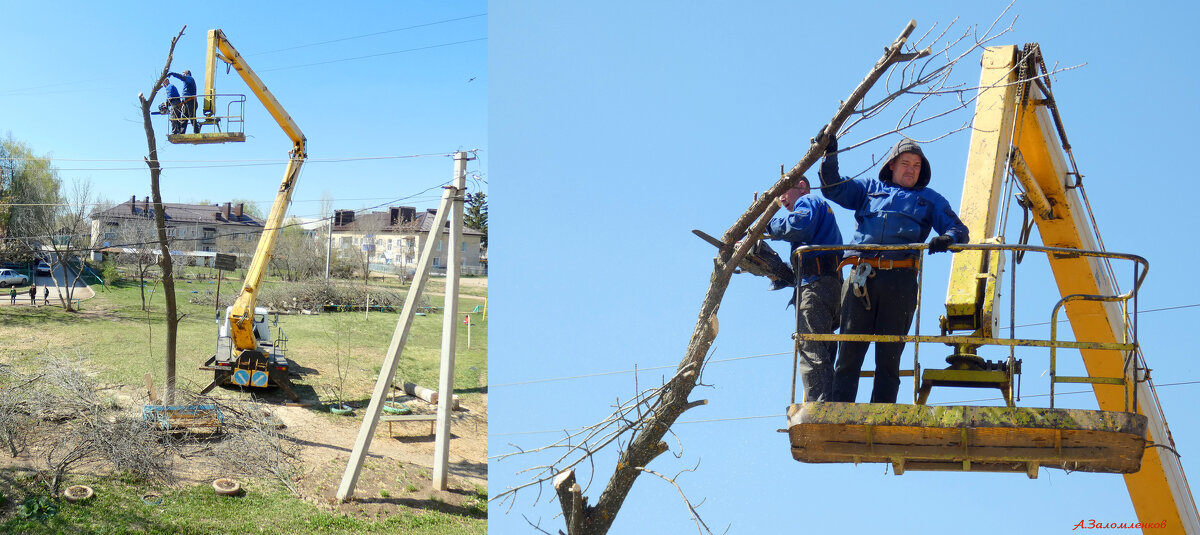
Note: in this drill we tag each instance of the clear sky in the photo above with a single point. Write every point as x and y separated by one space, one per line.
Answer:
620 126
369 83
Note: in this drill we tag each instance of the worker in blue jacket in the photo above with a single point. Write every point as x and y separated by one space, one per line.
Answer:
178 126
880 293
809 220
189 100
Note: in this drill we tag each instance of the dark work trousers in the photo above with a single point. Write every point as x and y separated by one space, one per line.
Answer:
817 312
178 124
893 297
189 115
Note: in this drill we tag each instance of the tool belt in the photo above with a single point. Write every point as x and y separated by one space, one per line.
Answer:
826 264
880 263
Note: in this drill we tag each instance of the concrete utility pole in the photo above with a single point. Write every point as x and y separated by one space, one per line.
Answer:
451 202
441 447
329 247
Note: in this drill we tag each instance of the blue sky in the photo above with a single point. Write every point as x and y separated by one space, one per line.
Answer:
618 127
367 83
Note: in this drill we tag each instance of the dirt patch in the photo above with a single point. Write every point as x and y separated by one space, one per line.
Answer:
397 472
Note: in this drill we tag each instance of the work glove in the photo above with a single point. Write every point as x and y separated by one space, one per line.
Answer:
832 146
940 244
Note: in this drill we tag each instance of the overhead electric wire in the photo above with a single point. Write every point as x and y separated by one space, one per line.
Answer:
365 35
735 418
714 361
374 55
221 163
230 234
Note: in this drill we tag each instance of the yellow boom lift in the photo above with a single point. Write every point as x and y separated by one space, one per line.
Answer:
245 354
1017 129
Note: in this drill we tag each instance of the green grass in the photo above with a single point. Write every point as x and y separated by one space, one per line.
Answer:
118 508
122 342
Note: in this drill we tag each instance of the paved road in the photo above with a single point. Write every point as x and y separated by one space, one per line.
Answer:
80 292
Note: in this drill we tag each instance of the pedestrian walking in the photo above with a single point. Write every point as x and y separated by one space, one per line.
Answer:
46 294
12 296
32 295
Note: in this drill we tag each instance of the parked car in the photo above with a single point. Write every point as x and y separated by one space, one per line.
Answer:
43 268
9 277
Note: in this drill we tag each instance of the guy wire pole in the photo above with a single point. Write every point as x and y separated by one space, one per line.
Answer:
387 372
441 447
329 248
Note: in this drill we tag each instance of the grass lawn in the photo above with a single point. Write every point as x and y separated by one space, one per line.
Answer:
123 342
118 507
120 343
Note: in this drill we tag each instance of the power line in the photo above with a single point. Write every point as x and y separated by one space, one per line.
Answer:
599 374
218 163
228 234
39 90
369 34
736 418
374 55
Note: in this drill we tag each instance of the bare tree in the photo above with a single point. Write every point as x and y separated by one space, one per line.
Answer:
67 229
160 222
138 240
297 255
913 73
370 227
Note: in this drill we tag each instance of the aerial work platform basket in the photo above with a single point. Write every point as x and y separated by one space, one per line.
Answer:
233 121
967 438
984 438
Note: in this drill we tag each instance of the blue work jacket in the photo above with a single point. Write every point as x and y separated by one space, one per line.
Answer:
189 84
889 214
810 222
172 95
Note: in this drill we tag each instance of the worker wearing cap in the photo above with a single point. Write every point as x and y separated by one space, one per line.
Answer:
809 221
880 293
189 100
178 126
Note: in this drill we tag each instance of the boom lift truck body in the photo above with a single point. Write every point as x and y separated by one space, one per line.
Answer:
246 355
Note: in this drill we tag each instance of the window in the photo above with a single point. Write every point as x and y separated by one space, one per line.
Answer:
439 247
464 247
172 232
209 233
437 261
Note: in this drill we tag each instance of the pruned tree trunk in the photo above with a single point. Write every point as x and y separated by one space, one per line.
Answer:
165 263
647 443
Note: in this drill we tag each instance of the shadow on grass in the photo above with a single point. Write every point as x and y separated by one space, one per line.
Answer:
427 505
468 469
39 317
275 395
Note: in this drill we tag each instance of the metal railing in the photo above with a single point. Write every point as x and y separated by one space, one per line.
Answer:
234 116
1127 300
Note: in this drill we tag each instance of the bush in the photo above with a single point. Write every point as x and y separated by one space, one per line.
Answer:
109 271
312 296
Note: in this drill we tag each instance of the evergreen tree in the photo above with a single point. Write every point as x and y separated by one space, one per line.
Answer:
476 215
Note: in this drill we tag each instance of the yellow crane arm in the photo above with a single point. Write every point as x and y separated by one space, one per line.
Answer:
242 314
1021 134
